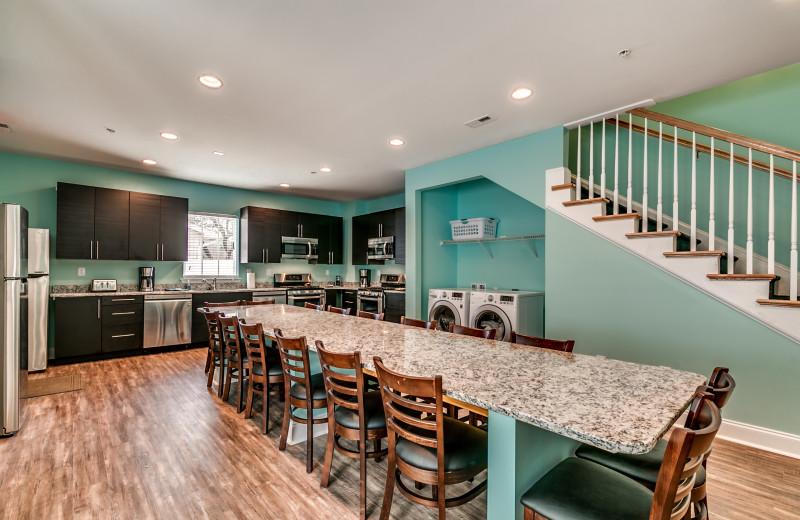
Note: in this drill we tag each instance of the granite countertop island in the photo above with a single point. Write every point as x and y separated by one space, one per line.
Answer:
77 291
615 405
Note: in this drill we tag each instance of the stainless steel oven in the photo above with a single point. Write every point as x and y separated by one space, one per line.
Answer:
279 295
370 300
299 297
380 248
299 248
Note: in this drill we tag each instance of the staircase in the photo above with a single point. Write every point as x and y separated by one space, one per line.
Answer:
751 285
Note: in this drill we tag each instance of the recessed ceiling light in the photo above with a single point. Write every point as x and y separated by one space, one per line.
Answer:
210 81
521 93
217 153
624 53
396 141
169 136
149 162
284 185
325 169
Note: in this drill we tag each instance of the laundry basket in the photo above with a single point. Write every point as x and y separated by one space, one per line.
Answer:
473 228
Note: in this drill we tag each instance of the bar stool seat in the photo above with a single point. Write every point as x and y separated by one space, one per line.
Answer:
577 489
273 369
298 390
374 417
464 447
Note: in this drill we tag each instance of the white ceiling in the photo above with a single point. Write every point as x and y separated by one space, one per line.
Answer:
312 83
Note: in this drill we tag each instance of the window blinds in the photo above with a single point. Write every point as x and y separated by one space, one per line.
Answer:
212 245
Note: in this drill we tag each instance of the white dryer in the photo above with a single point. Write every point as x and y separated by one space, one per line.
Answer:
520 311
446 306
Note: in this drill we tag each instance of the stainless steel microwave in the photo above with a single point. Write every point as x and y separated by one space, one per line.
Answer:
380 248
299 248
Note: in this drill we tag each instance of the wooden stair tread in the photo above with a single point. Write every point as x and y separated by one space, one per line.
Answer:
758 276
691 254
780 303
562 186
653 234
596 200
620 216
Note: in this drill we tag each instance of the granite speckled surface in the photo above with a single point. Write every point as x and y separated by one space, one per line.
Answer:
74 291
615 405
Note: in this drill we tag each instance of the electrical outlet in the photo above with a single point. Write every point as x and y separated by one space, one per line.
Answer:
269 272
81 271
378 274
478 286
327 272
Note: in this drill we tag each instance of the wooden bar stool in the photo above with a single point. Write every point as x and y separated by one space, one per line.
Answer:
265 370
645 468
214 358
338 310
247 303
371 315
359 416
469 331
303 391
552 344
437 450
209 305
577 488
235 356
411 322
308 305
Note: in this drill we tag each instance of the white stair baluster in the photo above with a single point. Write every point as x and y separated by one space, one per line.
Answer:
578 180
750 211
731 236
693 214
630 164
616 167
591 160
645 211
793 239
711 220
675 220
659 202
771 222
603 162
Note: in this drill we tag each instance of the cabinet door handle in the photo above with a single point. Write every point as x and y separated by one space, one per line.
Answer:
266 256
98 308
91 249
122 313
162 252
123 335
97 251
124 300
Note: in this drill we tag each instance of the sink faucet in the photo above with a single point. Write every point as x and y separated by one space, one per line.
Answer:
212 283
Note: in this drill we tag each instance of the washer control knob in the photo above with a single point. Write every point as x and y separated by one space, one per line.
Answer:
490 298
444 295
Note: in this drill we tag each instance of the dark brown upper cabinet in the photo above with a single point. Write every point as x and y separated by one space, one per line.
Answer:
300 225
92 223
260 235
159 227
107 224
330 231
375 225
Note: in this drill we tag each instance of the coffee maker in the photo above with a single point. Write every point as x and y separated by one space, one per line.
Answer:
363 277
147 276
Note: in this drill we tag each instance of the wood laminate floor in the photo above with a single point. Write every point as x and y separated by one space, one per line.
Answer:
146 439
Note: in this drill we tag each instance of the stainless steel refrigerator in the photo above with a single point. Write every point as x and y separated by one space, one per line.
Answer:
13 315
38 297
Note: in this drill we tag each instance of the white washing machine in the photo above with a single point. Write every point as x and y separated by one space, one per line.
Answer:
520 311
446 306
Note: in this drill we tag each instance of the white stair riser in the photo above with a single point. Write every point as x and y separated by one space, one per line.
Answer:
652 247
584 212
694 266
615 228
561 196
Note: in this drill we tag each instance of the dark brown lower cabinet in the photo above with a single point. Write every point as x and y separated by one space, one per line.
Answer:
395 306
350 301
199 327
77 326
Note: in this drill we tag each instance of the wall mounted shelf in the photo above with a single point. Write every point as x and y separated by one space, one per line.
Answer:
528 239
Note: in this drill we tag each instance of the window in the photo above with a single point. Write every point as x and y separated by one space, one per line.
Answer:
212 245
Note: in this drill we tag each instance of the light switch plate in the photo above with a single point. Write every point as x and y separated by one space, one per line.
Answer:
269 272
81 271
327 272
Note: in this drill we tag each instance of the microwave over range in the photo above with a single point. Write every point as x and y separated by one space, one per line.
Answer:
299 248
380 248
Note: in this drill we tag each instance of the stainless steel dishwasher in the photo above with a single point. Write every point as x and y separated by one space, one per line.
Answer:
167 320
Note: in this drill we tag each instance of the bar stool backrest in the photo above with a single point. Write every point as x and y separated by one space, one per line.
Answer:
469 331
247 303
294 360
343 388
411 322
229 331
253 339
224 304
551 344
338 310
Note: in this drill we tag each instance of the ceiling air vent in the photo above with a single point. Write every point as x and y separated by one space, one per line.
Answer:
483 120
4 127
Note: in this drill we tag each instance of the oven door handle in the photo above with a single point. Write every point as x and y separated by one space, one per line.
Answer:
305 297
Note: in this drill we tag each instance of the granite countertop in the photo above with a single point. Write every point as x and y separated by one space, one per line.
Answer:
614 405
76 291
138 293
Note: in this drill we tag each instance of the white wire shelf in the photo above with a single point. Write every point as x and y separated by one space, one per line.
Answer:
528 239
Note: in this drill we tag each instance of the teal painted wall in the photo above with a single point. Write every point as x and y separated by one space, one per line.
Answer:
518 166
31 182
763 107
617 305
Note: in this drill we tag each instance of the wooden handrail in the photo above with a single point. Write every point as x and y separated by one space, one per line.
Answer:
718 152
747 142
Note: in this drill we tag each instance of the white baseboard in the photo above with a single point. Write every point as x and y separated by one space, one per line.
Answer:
782 443
297 432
